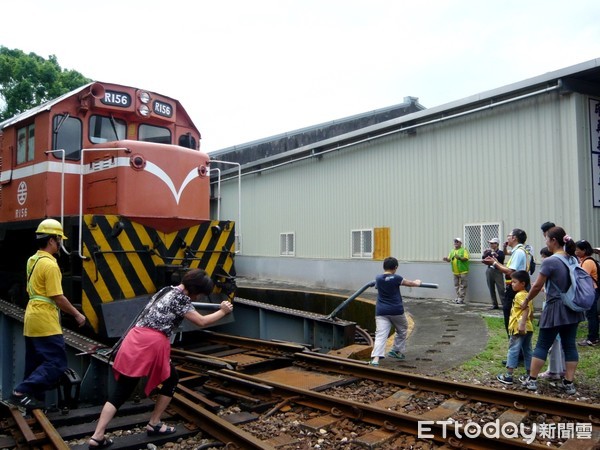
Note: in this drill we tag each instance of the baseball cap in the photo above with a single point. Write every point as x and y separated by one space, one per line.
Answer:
458 239
494 241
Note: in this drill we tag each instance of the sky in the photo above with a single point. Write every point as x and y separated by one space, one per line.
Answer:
247 70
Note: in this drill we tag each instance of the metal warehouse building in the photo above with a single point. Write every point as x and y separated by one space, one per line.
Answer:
325 207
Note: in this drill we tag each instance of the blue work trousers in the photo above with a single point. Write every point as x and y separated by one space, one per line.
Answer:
45 362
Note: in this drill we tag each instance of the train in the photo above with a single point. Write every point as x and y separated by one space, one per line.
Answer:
122 170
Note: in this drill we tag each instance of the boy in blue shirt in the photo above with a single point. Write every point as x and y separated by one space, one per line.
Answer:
389 311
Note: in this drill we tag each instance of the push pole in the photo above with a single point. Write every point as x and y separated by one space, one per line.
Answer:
363 289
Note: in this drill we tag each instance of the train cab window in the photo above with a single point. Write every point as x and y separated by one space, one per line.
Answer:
151 133
188 141
67 134
25 144
106 129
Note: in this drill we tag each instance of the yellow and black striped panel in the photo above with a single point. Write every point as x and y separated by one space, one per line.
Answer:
124 258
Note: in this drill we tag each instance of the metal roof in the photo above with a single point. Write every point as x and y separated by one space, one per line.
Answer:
43 107
583 78
287 142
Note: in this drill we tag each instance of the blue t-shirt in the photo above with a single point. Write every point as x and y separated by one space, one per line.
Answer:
518 258
389 300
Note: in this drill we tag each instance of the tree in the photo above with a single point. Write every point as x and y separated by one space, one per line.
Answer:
30 80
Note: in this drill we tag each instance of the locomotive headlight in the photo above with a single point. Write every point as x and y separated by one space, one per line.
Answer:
144 97
144 110
137 161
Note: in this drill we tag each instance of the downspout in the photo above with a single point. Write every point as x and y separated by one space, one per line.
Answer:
218 193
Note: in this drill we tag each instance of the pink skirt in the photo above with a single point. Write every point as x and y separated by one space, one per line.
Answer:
144 352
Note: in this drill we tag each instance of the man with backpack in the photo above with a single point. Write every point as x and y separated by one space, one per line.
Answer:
517 261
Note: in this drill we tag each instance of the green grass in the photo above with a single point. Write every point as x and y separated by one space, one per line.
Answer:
487 364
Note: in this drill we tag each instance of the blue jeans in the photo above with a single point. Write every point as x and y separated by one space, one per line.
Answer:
45 362
516 344
546 337
592 318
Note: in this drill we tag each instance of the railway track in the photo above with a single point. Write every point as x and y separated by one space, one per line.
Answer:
250 394
388 408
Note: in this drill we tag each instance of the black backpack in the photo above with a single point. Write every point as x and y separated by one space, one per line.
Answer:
530 262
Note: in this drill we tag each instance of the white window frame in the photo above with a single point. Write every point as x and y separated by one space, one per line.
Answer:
284 249
476 236
360 252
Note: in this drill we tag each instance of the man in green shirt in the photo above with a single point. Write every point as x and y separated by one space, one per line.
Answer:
459 258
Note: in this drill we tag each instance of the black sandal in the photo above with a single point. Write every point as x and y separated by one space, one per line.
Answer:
101 444
156 429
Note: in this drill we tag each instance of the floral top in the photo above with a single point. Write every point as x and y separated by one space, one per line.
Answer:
165 314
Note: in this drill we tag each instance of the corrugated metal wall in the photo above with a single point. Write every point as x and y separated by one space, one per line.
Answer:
518 164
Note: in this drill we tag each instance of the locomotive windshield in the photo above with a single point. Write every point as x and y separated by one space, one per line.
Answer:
106 129
151 133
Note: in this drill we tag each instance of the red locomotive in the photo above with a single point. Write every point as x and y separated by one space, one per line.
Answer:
121 169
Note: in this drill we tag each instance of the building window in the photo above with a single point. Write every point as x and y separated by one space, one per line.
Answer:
362 243
25 144
477 236
287 244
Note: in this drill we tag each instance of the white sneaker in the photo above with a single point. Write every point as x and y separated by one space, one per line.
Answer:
568 388
528 383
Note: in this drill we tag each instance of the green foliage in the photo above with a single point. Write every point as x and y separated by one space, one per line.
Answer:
589 358
28 80
487 364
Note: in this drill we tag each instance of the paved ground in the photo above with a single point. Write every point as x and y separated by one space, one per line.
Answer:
442 334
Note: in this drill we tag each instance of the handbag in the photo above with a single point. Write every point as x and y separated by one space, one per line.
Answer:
115 348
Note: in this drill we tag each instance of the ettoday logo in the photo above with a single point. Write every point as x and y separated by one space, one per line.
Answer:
508 430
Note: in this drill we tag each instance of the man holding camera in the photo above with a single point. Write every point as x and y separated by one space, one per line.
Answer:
495 278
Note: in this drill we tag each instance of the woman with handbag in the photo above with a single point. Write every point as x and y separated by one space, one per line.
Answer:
146 350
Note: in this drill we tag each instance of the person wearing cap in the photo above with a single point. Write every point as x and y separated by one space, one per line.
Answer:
146 351
495 278
517 261
45 354
459 258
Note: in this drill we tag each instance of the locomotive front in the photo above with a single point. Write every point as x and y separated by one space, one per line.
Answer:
121 168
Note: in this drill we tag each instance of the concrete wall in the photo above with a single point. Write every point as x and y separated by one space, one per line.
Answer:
352 275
